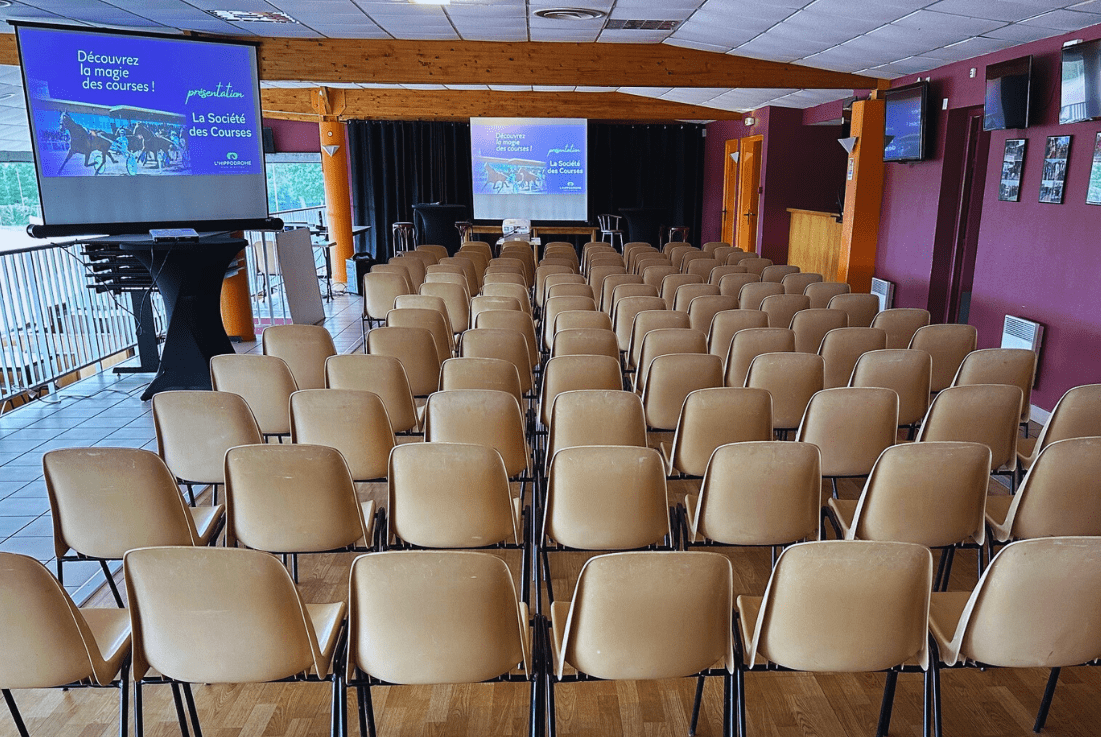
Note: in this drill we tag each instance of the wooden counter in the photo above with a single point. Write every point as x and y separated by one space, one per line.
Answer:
538 231
814 242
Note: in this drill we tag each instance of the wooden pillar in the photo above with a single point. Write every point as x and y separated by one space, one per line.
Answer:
863 197
329 104
236 303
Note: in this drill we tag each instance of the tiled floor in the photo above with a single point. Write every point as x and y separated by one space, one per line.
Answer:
103 410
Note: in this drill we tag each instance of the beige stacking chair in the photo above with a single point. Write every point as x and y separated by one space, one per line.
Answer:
687 293
716 274
264 382
624 317
749 343
582 320
982 413
494 374
861 308
596 417
380 289
821 293
713 417
518 322
727 322
796 283
791 379
1014 366
509 289
304 348
1077 414
781 308
669 381
948 345
671 283
731 284
568 373
585 341
702 310
905 370
777 272
352 421
433 321
385 377
901 323
502 344
811 326
842 347
482 417
753 294
457 299
663 341
416 349
755 264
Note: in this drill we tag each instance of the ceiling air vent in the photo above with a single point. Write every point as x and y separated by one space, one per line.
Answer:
616 24
570 13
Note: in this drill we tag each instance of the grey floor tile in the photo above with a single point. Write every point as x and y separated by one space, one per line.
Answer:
118 443
11 525
82 436
11 473
14 506
103 422
40 527
33 490
130 431
14 444
7 488
40 434
41 548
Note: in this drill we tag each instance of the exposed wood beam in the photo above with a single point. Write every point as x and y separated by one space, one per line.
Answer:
9 53
402 104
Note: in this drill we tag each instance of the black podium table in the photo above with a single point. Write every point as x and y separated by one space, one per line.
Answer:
644 223
189 276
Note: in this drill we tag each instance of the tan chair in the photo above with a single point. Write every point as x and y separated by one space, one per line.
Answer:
900 501
677 252
702 310
396 268
352 421
686 293
777 272
50 643
948 345
516 291
304 348
623 319
811 326
264 382
105 501
474 284
553 280
710 246
792 379
727 322
431 320
1020 615
851 427
568 373
852 606
194 431
415 267
493 374
716 274
543 272
596 417
555 305
501 275
781 308
1014 366
502 344
663 341
447 274
457 299
518 322
440 252
749 343
796 282
906 371
598 272
731 284
647 615
609 284
571 290
582 320
861 308
687 258
623 291
756 493
385 377
700 266
380 289
669 381
654 271
842 347
901 323
481 417
585 341
713 417
738 255
1077 414
428 254
483 302
479 258
424 302
416 349
723 252
753 294
981 413
821 293
671 283
756 265
256 627
646 321
434 617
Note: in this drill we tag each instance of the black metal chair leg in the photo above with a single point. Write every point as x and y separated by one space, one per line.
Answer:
190 494
728 702
942 559
370 709
833 481
60 573
294 567
111 583
547 574
195 729
739 695
535 726
696 703
552 713
178 701
361 707
888 704
19 725
139 719
927 703
525 583
335 707
948 569
1045 704
124 700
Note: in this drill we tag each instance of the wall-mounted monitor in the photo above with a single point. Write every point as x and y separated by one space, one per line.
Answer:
1081 88
534 168
133 131
905 117
1007 94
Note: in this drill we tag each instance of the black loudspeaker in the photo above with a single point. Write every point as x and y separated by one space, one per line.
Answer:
357 266
269 141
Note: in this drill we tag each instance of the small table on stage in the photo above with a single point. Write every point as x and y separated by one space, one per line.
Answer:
189 276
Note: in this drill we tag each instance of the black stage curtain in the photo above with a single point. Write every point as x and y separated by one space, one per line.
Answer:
398 164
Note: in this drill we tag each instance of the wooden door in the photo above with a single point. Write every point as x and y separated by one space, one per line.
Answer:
730 190
749 192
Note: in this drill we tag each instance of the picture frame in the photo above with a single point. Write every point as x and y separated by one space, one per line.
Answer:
1054 177
1013 164
1093 193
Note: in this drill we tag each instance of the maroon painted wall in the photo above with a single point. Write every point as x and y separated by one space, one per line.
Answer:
294 136
1037 261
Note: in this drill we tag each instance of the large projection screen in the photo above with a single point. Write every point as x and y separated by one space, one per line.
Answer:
535 168
139 129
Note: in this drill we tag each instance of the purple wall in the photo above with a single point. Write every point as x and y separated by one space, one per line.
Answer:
294 136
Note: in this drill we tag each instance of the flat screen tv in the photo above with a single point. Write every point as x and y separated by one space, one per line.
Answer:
1007 91
905 114
135 131
1081 88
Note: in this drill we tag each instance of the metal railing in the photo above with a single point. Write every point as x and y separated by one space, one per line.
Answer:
269 305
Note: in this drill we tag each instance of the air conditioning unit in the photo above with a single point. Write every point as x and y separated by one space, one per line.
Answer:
1018 332
885 290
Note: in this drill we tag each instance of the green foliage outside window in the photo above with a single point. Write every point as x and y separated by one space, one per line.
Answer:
295 185
18 194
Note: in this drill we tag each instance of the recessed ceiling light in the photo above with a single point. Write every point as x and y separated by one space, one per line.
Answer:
570 13
5 3
253 16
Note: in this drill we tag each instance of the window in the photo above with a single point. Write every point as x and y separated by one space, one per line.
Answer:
294 182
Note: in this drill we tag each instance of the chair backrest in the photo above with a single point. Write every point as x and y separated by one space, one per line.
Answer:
781 308
499 275
585 341
352 421
646 321
851 427
737 255
449 495
431 320
671 283
47 641
196 428
907 371
759 493
646 615
899 502
264 382
821 293
255 624
508 289
623 319
483 417
503 344
396 268
423 302
695 254
749 343
447 274
428 254
596 417
457 299
440 252
663 341
756 265
421 617
380 288
948 344
777 272
519 322
846 606
582 319
105 501
416 267
654 271
416 349
702 310
610 283
901 323
553 280
713 417
792 379
543 272
471 372
980 413
677 252
710 246
725 323
686 293
599 271
555 305
701 266
572 290
1014 366
751 295
623 291
796 282
811 326
484 302
1038 605
567 373
671 378
304 348
731 284
382 375
861 308
716 274
1077 414
842 347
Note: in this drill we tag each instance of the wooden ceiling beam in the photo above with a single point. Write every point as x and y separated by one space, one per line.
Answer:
402 104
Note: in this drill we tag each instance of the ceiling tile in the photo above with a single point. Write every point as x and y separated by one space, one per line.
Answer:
1064 20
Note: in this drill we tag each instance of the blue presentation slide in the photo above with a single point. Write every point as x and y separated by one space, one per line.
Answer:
132 105
528 157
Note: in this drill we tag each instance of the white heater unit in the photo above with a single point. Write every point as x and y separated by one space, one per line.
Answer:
885 290
1018 332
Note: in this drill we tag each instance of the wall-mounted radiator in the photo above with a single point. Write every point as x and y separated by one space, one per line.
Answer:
1020 333
885 290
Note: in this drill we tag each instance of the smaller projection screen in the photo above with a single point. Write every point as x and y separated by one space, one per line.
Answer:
533 168
134 131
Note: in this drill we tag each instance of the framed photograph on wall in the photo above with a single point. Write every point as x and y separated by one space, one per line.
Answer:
1093 194
1055 169
1013 164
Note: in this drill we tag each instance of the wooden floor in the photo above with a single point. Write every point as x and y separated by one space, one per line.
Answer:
976 704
